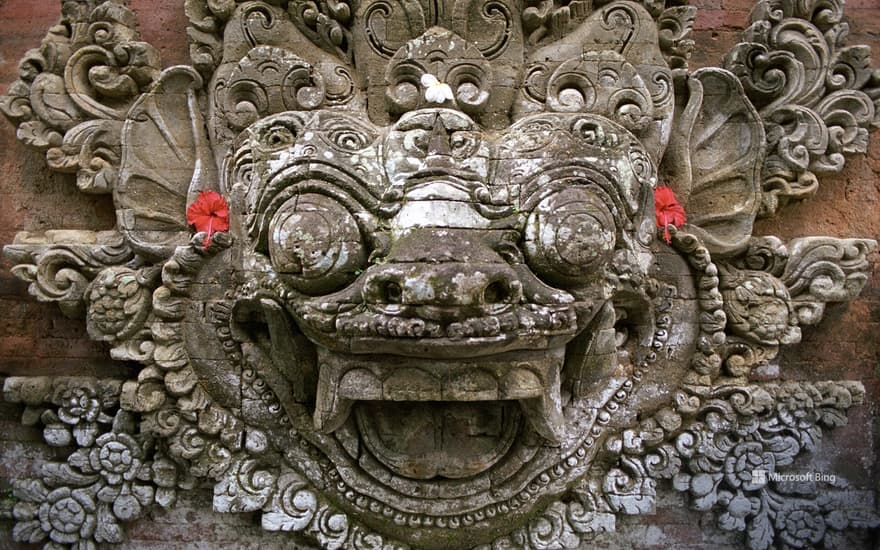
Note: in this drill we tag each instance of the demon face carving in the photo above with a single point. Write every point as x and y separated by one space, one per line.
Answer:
460 287
441 315
440 297
444 306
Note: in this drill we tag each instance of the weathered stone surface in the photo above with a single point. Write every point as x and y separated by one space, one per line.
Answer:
442 314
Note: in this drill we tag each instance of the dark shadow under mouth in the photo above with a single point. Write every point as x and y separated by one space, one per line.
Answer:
428 439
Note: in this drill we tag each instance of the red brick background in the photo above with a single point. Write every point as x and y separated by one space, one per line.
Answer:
36 339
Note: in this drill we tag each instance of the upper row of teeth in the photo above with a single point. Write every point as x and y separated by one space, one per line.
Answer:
523 320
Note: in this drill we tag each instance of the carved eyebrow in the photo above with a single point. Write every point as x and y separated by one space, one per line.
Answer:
567 173
423 121
413 124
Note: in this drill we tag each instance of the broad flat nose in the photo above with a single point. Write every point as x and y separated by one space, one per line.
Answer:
451 284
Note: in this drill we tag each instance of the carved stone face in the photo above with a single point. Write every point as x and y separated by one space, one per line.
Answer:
440 303
439 317
445 286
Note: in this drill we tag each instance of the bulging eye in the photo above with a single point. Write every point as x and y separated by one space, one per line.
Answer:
463 144
316 243
278 137
569 236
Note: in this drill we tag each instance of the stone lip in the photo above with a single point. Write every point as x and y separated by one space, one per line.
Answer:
414 333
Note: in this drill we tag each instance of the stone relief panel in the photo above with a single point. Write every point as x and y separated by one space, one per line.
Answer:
441 275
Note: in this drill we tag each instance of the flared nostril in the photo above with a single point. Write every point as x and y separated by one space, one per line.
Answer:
444 285
383 289
502 292
495 293
392 293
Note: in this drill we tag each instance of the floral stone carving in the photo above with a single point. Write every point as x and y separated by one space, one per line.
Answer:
437 309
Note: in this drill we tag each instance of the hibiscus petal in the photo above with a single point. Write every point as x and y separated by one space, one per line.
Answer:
209 213
668 211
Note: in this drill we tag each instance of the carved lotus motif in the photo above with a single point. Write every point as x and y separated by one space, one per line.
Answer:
119 304
745 458
801 527
79 405
68 516
116 457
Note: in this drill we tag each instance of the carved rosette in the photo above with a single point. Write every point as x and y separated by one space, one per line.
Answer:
730 444
112 477
441 315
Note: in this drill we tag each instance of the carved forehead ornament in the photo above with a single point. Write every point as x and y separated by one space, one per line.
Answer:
427 304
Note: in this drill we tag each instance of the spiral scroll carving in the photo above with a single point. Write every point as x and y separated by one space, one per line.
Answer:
403 274
268 80
817 97
74 91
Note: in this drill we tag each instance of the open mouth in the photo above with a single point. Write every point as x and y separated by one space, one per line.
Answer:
529 378
428 440
434 391
421 413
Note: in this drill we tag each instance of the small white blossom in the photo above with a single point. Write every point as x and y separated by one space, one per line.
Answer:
436 91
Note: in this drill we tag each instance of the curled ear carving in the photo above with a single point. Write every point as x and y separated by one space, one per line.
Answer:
166 161
817 97
714 158
75 89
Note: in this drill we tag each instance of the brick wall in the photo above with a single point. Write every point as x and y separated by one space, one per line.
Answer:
36 339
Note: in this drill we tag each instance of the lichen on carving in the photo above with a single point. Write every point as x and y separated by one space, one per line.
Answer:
441 315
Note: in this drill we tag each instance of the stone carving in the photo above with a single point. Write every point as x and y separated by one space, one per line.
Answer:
60 264
75 90
734 432
441 315
726 453
816 96
113 476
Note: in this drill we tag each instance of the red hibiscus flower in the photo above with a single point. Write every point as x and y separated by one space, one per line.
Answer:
209 213
668 211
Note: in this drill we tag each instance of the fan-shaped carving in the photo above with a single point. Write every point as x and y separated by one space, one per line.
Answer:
714 159
166 160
